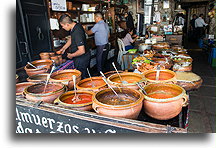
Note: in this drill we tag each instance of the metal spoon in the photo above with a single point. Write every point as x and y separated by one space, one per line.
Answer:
76 97
90 78
158 72
32 65
143 90
48 77
123 82
111 87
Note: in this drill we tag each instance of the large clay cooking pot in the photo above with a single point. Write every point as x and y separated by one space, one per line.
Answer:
38 78
65 77
129 80
20 87
43 66
36 92
83 102
95 85
105 102
166 62
165 76
164 101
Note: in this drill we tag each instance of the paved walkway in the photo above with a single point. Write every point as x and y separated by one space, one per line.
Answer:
203 101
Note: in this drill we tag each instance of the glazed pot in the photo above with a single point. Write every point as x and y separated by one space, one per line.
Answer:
20 87
166 62
38 78
130 77
85 102
95 85
165 76
105 102
188 80
107 74
43 66
65 77
36 92
164 101
44 56
163 45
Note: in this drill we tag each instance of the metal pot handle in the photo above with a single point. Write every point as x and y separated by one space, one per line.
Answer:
185 98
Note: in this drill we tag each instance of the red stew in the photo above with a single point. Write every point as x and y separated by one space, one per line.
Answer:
162 76
161 96
82 98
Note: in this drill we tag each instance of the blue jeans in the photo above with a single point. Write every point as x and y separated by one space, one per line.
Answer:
129 47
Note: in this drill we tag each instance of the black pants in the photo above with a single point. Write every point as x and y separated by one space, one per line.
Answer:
81 63
101 57
200 32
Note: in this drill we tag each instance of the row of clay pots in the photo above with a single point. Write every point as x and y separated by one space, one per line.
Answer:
51 56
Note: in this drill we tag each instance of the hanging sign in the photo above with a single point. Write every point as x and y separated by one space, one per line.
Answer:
59 5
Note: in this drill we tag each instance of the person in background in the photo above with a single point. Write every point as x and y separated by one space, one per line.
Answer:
192 27
127 39
78 51
199 25
129 20
101 35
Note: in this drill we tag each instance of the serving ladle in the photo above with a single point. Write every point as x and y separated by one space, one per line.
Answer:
123 82
90 78
76 97
157 72
32 65
48 77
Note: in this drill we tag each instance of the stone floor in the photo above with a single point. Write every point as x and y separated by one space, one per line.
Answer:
202 112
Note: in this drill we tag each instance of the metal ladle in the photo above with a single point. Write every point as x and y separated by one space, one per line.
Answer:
123 82
90 78
32 65
76 97
48 77
158 72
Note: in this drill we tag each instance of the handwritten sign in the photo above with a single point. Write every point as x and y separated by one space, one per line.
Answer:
31 120
59 5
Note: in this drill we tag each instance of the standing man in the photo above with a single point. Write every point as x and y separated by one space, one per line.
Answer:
101 35
199 25
78 51
192 27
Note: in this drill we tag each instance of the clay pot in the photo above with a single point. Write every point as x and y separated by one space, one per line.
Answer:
36 92
52 54
21 86
43 66
38 78
44 56
107 74
165 76
95 85
181 68
115 108
60 59
164 101
162 45
166 62
65 77
130 77
55 58
188 80
65 100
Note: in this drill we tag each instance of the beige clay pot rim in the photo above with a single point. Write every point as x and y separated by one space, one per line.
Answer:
17 84
137 102
89 79
63 71
59 101
180 96
122 74
160 81
45 94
